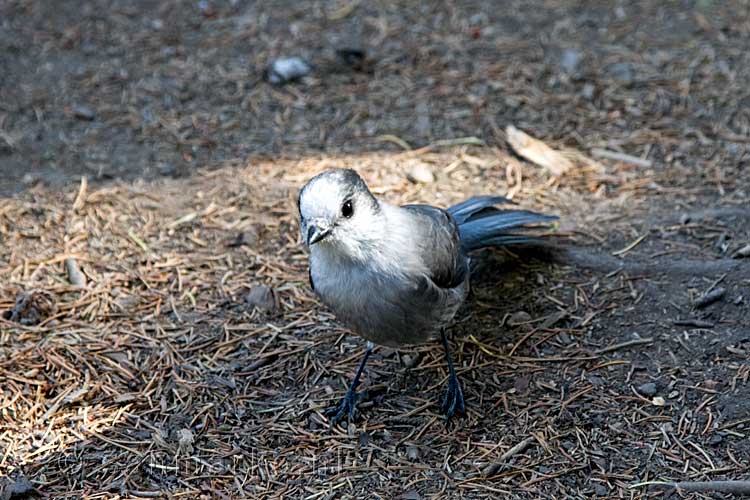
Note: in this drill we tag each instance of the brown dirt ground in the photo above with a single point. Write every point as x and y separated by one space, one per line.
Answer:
158 380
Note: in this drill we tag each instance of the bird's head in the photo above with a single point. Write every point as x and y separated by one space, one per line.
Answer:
338 213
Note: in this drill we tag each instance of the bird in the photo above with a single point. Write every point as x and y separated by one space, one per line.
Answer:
397 275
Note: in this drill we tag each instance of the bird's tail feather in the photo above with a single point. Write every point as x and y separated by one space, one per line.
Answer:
481 224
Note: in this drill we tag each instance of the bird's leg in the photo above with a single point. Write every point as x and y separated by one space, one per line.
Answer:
349 403
453 400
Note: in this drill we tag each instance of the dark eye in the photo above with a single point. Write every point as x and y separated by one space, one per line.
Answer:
347 209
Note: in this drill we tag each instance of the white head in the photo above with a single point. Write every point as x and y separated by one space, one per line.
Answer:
338 213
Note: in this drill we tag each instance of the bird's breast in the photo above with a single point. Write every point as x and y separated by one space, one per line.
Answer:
385 308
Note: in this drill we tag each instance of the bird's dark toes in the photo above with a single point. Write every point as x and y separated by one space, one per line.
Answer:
453 400
347 407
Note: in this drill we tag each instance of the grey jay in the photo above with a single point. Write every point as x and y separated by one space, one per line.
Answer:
396 275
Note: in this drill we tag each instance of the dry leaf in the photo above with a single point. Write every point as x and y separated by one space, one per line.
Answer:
537 151
185 440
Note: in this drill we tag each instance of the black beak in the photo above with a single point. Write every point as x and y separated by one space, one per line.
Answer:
315 234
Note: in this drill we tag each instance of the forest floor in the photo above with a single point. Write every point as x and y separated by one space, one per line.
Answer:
169 344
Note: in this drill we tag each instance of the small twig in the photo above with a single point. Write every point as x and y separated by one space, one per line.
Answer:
81 197
630 246
146 494
443 143
698 323
625 158
623 345
395 140
719 280
138 241
459 141
492 468
547 323
732 487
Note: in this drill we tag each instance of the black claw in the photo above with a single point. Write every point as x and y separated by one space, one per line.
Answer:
453 400
348 407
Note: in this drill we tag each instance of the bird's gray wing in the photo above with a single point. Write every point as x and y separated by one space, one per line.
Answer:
439 245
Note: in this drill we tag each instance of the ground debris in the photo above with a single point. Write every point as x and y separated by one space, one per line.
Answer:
185 440
569 60
356 59
75 276
16 489
171 349
697 323
262 297
709 298
493 468
742 253
537 151
519 318
648 389
420 173
32 307
617 156
740 488
286 70
248 237
410 495
84 113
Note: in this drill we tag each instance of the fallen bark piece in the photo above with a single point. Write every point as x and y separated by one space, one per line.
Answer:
740 488
537 151
32 308
16 489
262 297
742 253
733 487
698 323
75 276
710 297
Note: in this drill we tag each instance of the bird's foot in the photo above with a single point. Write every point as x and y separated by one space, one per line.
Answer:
453 399
347 407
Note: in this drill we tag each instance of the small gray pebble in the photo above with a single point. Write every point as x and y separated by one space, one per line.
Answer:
421 173
409 360
569 60
262 297
167 169
588 91
287 69
519 317
648 389
622 72
84 113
